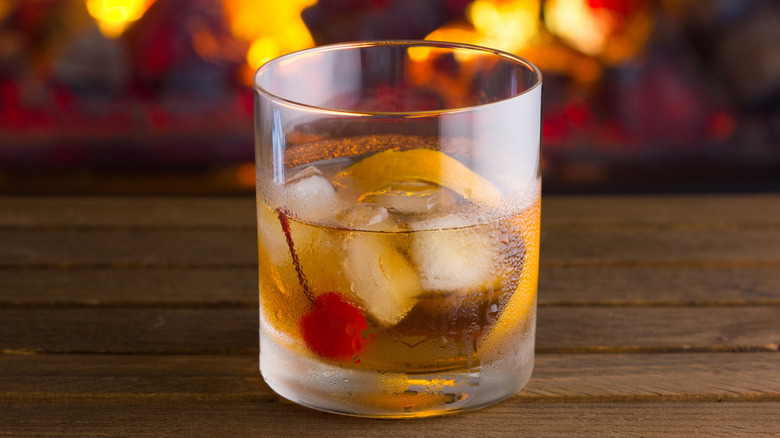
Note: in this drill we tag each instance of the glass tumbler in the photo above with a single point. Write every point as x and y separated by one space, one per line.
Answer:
398 209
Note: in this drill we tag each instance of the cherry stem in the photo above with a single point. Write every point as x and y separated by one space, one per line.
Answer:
284 219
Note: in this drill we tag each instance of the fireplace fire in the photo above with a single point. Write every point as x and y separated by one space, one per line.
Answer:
154 96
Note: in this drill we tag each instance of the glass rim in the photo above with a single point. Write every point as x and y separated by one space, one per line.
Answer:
399 43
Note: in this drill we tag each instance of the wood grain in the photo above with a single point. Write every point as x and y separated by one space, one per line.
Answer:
237 287
510 419
237 248
649 211
654 377
129 287
658 315
134 247
636 329
187 331
141 378
556 378
558 211
659 286
641 246
234 331
124 212
210 232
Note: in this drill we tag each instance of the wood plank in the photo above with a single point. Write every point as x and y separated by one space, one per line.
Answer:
118 212
654 377
556 378
223 331
661 210
632 329
237 287
128 247
147 377
237 247
131 287
658 286
666 247
96 418
234 331
665 253
718 209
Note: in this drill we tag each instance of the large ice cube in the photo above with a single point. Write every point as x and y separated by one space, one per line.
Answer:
319 255
382 279
411 197
310 196
366 217
271 236
452 258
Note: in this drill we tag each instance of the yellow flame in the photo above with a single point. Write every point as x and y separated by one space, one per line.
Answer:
419 54
514 26
505 25
272 27
113 16
577 24
509 25
598 32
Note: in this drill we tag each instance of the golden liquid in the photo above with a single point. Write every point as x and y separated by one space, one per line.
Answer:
460 328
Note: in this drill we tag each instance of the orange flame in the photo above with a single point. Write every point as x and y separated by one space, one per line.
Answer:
508 25
589 33
611 35
113 16
271 27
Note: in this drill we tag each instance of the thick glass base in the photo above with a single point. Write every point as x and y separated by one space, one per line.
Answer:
348 391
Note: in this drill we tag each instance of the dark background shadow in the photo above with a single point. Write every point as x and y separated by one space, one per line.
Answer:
640 96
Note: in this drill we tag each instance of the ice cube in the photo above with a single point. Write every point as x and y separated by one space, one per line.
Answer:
365 217
452 258
310 196
412 197
319 251
381 278
271 235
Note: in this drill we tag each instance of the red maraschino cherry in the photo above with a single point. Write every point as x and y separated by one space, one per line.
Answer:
333 328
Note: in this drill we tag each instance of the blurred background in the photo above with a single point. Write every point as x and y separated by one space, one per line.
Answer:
155 97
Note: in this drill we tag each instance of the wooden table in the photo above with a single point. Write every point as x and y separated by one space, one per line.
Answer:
125 316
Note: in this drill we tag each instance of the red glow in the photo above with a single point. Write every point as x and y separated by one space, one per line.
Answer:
576 113
552 131
622 7
722 125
